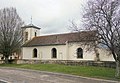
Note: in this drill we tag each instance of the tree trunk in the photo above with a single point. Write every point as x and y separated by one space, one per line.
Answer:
117 75
6 60
97 58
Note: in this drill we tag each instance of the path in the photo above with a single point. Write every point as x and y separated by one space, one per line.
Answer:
13 75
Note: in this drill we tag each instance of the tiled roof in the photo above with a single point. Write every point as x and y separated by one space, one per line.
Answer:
60 39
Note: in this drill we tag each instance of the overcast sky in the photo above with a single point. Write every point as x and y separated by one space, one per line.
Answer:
52 16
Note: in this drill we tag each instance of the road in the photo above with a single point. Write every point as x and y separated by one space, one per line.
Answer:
14 75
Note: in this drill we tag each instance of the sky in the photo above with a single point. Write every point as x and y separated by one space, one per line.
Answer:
52 16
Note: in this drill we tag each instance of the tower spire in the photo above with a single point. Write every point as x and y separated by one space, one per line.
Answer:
31 20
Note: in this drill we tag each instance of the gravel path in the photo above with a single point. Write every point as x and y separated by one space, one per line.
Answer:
14 75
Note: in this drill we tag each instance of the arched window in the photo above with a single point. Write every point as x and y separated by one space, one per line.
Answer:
26 36
35 34
54 53
34 53
79 53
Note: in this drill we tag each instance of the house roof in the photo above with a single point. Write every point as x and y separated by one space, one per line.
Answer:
30 26
60 39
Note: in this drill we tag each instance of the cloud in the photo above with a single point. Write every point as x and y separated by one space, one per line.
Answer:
51 15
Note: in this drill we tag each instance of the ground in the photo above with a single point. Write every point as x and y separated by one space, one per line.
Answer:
15 75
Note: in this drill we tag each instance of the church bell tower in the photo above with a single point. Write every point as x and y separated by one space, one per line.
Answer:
30 31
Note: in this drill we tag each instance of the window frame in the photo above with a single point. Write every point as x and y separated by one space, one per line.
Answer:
79 53
26 36
54 53
35 34
35 53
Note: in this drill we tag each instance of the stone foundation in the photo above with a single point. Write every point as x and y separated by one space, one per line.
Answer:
70 62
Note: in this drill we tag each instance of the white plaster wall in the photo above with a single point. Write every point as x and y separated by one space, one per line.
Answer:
105 55
44 52
31 32
28 53
87 55
27 30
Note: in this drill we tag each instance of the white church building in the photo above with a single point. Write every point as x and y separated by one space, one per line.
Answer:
68 46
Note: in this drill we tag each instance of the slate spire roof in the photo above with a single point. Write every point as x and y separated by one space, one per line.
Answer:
61 39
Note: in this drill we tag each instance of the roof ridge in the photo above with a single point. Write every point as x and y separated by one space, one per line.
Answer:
57 34
63 34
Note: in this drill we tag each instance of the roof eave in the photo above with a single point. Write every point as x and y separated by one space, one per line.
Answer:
41 45
30 27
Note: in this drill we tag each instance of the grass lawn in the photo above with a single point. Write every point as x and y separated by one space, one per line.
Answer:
88 71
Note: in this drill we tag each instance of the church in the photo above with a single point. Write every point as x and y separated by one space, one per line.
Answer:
61 47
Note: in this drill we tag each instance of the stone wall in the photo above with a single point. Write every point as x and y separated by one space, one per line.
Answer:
109 64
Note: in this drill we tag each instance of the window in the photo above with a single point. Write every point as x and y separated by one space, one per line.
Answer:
35 34
79 53
54 53
26 36
34 53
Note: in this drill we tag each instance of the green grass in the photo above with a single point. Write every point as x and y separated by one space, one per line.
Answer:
88 71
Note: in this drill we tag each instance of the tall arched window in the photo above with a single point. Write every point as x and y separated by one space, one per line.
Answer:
54 53
35 34
34 53
79 53
26 36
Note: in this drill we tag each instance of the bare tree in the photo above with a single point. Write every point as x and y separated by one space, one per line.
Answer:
104 17
10 32
91 40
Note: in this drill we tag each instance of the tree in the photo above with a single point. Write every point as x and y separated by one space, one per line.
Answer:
104 17
10 32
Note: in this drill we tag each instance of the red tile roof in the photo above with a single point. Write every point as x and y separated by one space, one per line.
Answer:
60 39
